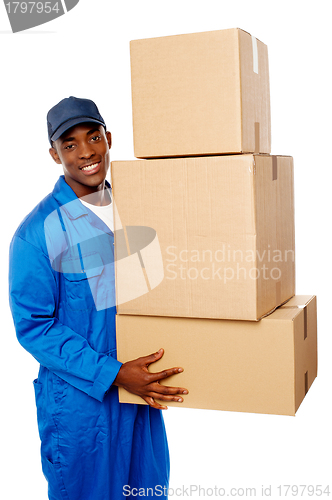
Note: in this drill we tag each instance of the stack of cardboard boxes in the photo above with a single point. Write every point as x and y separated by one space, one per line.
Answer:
204 229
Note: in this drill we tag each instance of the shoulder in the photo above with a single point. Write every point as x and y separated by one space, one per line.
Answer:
32 228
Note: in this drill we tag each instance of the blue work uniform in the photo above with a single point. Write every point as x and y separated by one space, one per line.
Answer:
62 297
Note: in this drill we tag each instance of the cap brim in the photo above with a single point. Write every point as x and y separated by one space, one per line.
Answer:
71 123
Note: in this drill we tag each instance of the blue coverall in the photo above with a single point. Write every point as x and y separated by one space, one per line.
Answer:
62 299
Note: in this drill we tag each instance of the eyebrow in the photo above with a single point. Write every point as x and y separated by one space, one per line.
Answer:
69 139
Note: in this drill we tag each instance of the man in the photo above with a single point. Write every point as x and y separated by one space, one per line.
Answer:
63 304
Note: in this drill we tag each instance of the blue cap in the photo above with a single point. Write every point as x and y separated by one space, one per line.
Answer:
70 112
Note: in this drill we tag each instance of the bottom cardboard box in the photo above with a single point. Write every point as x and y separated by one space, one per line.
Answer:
259 367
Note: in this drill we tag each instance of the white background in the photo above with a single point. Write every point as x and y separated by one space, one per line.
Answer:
85 53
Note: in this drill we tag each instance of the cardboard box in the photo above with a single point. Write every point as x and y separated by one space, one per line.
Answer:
262 367
200 94
208 237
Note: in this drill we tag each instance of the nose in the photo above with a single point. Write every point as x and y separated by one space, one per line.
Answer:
86 150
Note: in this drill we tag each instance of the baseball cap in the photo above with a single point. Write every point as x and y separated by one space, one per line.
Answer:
70 112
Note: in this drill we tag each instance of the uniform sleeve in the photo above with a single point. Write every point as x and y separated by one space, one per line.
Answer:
33 297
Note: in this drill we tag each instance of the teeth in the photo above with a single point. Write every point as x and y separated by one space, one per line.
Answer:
90 167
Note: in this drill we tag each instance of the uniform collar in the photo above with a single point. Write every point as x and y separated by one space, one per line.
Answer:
66 198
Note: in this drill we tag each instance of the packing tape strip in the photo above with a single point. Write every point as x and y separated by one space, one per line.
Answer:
254 55
274 168
305 312
257 141
306 382
278 292
126 240
146 276
305 317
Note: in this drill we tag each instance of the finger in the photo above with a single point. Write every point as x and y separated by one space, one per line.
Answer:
165 389
151 402
151 358
165 373
164 397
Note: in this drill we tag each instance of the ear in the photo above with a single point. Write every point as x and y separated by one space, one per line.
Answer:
55 156
109 139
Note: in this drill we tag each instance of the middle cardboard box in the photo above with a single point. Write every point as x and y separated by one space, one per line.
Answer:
204 237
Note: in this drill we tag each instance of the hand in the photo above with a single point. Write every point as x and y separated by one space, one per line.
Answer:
135 377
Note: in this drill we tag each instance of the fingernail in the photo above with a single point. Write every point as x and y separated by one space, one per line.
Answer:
180 399
180 370
184 392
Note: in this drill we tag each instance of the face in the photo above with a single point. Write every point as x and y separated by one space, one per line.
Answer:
83 151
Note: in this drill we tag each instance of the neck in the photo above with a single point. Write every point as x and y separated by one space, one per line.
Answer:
95 195
99 198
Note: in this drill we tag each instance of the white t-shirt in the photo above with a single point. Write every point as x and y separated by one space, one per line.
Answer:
105 213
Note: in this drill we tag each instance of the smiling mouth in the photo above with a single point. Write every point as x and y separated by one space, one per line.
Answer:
87 168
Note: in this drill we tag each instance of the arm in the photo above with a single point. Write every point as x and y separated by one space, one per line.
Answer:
33 300
135 378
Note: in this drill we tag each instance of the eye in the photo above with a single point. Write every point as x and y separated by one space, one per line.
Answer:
96 138
70 146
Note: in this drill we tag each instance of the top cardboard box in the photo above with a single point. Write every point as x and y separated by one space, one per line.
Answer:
200 94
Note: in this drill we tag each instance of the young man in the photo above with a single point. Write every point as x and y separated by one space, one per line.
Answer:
63 303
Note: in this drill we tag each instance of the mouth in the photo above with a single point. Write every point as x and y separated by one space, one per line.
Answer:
90 169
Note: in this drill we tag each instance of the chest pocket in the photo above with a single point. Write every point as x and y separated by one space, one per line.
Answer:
81 286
